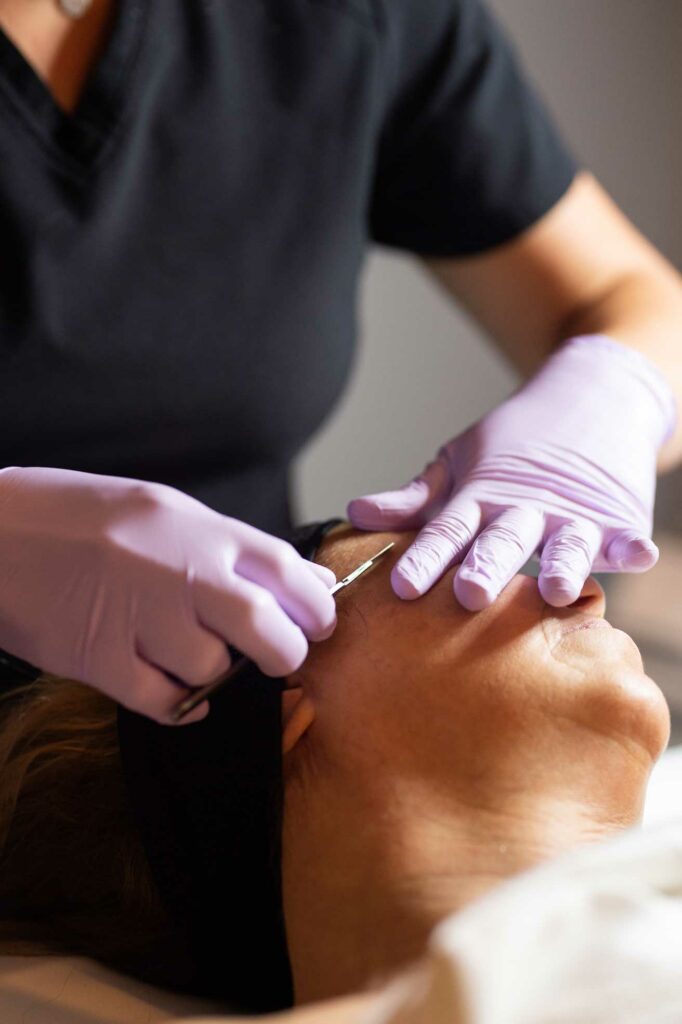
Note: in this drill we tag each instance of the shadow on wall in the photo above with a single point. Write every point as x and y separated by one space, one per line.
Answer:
649 608
669 506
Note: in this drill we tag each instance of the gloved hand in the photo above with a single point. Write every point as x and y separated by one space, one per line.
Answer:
567 465
115 582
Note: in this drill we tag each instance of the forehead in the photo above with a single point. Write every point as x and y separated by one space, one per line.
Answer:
345 548
370 596
344 551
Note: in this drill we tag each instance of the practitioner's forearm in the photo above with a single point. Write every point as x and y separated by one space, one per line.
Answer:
582 269
644 312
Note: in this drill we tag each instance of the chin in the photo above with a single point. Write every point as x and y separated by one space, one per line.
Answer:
643 708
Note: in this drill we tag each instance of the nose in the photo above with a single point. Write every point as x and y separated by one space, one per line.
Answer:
592 599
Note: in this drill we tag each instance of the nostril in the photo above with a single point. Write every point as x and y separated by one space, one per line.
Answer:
592 598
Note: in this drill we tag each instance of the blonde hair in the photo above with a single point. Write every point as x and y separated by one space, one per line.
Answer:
73 874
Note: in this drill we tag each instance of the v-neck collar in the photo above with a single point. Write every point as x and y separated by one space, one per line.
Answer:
78 136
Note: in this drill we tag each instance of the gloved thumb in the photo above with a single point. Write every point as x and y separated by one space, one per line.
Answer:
407 508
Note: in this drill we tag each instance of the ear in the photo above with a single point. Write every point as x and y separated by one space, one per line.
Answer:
298 714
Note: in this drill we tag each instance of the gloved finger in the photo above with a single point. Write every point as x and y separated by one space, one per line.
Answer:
566 561
192 654
631 551
294 583
153 694
323 573
497 554
439 544
252 620
407 508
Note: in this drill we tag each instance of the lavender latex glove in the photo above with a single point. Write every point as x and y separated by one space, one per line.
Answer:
566 467
121 584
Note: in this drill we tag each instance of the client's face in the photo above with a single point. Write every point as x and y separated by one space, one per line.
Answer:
519 696
445 744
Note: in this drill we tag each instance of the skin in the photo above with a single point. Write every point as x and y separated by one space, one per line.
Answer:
61 50
438 752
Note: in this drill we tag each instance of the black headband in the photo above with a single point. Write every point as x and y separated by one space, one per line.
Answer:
208 802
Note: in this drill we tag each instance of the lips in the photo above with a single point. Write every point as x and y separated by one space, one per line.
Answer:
558 627
587 625
584 623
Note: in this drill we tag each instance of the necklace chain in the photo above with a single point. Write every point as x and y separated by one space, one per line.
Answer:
75 8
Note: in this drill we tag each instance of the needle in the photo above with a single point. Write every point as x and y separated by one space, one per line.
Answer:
197 697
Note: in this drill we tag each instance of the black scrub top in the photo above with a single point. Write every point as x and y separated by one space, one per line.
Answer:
179 258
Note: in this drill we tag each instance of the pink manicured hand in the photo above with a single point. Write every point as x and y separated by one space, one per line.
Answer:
124 584
566 467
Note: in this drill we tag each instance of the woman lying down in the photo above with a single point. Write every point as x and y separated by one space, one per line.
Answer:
303 840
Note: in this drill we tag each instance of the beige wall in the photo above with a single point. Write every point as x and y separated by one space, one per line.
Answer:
611 71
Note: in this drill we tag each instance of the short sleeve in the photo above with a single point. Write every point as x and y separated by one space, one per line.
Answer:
468 156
